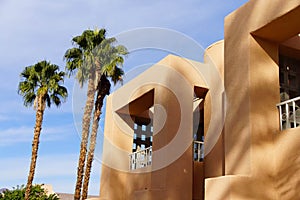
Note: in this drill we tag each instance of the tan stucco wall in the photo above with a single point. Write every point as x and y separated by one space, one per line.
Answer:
214 160
171 174
278 180
251 158
256 153
287 164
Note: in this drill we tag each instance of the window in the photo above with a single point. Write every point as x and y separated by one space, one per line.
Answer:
289 77
198 123
133 146
143 133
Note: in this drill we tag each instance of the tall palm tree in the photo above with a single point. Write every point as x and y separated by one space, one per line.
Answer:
108 58
81 59
40 86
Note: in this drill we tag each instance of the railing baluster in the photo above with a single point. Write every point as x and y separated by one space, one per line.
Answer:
198 150
140 159
291 115
288 125
280 116
294 114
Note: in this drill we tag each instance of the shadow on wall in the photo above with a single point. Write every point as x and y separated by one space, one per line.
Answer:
264 162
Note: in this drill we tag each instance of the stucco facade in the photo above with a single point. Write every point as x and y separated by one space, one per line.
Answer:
261 162
170 109
173 103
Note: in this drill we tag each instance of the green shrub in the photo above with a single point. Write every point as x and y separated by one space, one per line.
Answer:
36 193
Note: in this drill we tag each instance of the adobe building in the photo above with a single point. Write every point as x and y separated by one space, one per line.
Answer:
223 129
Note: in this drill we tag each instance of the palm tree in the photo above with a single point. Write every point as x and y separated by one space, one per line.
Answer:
108 58
81 59
40 86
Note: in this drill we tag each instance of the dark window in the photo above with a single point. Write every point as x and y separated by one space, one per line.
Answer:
143 132
289 77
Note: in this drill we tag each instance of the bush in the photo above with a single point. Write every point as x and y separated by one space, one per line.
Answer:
36 193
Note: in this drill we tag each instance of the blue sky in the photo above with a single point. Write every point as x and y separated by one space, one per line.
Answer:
34 30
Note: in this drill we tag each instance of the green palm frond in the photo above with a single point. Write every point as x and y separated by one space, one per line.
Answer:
93 55
74 60
48 100
29 98
44 80
117 75
109 59
81 58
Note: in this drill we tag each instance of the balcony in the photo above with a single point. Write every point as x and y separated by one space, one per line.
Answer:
198 147
140 159
289 113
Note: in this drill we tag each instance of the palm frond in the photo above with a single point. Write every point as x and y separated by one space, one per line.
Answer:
117 75
44 80
81 57
73 58
29 99
48 100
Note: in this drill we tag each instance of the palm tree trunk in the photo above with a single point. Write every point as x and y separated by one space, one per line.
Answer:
103 90
85 135
35 144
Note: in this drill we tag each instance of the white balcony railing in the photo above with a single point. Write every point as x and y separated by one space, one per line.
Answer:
289 113
198 151
140 159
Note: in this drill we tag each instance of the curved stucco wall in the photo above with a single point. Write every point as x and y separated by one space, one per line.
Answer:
214 160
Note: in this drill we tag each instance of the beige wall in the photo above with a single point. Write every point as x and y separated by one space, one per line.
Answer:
250 158
259 160
172 171
214 160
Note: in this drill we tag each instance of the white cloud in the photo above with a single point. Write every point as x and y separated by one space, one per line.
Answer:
13 136
4 117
